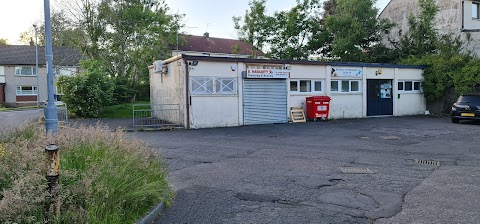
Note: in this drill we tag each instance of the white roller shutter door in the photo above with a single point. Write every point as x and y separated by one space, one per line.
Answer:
264 101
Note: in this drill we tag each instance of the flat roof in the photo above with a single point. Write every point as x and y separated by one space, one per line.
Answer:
298 62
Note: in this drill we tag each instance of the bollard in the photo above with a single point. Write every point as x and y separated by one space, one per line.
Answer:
52 206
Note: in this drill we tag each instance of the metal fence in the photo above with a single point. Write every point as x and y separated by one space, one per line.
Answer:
156 115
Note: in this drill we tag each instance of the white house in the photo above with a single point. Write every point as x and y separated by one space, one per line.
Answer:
223 91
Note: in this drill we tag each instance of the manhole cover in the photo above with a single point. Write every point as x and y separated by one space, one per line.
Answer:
427 162
355 170
390 137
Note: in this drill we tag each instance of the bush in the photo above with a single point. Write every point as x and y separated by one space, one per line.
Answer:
460 72
105 177
123 91
89 91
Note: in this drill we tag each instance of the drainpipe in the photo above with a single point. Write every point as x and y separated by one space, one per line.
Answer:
187 92
463 15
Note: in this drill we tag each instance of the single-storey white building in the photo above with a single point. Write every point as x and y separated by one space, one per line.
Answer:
221 91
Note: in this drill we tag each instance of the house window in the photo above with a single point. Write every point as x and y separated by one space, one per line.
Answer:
345 86
293 86
334 86
213 86
27 90
475 10
306 86
226 86
25 71
65 71
410 86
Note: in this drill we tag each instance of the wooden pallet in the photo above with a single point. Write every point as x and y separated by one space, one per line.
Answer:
297 114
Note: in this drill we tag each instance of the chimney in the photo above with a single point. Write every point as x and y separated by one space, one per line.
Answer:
31 42
206 35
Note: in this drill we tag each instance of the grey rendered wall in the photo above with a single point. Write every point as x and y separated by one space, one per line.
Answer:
169 88
13 81
448 20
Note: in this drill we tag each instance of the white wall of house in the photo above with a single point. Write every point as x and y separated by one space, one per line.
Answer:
408 102
471 21
210 107
12 81
2 74
169 88
214 109
304 73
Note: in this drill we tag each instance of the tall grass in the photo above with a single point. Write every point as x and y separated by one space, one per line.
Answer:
105 177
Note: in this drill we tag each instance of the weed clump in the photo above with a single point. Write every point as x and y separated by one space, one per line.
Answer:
105 177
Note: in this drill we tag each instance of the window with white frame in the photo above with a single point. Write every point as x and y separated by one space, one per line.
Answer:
475 10
65 71
213 86
25 71
306 86
27 90
410 86
345 86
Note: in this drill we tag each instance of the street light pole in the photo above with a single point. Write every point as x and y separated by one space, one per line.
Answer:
51 116
36 66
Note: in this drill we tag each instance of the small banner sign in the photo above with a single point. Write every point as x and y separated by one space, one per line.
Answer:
346 72
267 73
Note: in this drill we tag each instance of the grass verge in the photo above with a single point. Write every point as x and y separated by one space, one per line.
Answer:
119 111
105 177
17 108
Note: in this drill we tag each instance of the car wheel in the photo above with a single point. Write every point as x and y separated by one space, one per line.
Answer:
455 120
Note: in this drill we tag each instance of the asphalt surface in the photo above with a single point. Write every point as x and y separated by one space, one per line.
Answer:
291 173
12 119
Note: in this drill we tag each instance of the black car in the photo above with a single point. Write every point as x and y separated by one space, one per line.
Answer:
467 107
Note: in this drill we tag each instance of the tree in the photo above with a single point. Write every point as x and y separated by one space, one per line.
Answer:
355 29
3 41
253 28
329 8
85 17
89 91
292 30
136 34
421 38
126 36
63 31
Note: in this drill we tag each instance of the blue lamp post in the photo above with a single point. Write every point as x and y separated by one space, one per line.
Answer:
51 116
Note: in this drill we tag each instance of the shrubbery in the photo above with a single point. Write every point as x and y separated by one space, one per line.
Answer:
450 68
105 177
89 91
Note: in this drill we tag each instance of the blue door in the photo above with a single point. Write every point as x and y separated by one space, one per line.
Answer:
379 97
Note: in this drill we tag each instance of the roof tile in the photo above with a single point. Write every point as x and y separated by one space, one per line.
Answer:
25 55
216 45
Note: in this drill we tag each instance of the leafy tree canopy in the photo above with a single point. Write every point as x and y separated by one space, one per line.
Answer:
3 41
253 27
354 29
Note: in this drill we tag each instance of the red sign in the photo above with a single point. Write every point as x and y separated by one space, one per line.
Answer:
268 73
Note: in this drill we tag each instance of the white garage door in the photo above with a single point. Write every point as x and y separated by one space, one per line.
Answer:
264 101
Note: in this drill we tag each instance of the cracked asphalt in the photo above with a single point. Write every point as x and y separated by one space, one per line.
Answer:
290 173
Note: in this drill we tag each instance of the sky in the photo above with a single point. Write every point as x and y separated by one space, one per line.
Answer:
212 16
